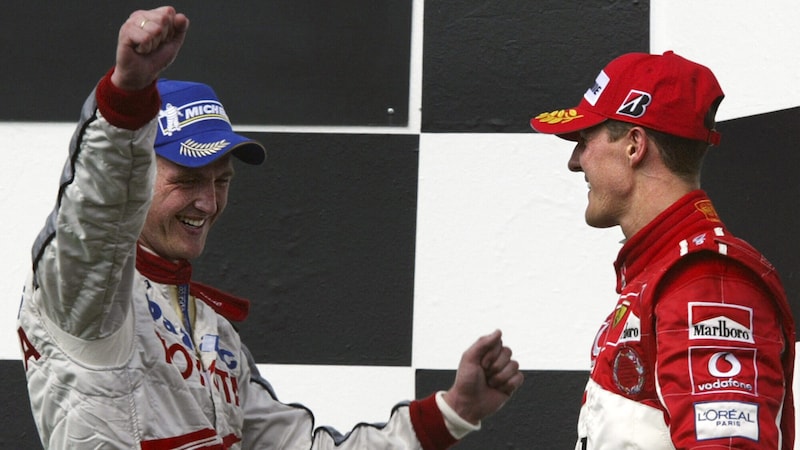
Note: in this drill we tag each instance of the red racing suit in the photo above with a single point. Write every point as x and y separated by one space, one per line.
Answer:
699 351
109 361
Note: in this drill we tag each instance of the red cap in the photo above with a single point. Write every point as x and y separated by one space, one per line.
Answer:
666 93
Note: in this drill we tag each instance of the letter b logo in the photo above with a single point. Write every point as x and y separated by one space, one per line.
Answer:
635 104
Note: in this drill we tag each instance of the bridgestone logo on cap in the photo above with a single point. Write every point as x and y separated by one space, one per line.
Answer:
635 104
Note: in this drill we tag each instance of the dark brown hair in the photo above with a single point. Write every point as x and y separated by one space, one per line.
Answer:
683 156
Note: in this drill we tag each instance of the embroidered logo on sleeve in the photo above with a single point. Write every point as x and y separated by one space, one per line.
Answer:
715 321
718 420
723 369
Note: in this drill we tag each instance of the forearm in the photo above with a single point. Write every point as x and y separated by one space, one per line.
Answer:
272 425
105 192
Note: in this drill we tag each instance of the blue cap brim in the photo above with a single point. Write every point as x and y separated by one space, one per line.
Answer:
202 149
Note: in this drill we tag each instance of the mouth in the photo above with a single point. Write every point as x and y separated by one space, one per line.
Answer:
194 223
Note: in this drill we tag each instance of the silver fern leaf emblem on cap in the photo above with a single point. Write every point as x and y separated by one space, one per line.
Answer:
194 149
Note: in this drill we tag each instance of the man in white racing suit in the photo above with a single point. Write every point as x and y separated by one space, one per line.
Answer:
122 349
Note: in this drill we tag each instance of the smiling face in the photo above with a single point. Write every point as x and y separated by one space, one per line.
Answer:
186 203
608 174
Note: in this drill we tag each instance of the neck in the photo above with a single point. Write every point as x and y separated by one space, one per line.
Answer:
651 197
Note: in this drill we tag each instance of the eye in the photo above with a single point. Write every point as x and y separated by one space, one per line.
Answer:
587 135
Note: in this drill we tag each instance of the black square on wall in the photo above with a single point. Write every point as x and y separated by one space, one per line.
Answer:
321 239
300 62
491 66
19 430
752 180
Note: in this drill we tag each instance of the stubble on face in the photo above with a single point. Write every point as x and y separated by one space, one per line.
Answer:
605 168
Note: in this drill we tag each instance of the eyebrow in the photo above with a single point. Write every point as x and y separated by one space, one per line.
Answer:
586 133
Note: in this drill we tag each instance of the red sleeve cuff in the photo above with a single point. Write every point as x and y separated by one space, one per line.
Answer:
130 110
429 424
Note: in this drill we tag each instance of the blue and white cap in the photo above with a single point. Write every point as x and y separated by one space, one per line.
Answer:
194 130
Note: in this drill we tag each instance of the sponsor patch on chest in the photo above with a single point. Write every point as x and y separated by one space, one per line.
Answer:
625 322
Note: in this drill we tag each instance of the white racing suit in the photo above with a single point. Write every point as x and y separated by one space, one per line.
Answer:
108 361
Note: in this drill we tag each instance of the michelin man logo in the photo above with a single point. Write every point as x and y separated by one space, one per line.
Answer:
172 114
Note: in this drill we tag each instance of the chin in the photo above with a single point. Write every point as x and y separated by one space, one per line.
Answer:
193 254
190 252
599 222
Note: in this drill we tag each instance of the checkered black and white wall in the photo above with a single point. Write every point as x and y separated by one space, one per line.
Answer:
406 207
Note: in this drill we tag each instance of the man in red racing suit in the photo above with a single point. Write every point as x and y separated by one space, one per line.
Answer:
700 346
699 351
121 348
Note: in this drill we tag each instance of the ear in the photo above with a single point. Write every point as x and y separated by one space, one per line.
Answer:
637 146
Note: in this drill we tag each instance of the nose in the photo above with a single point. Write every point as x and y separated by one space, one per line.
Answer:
574 163
206 198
